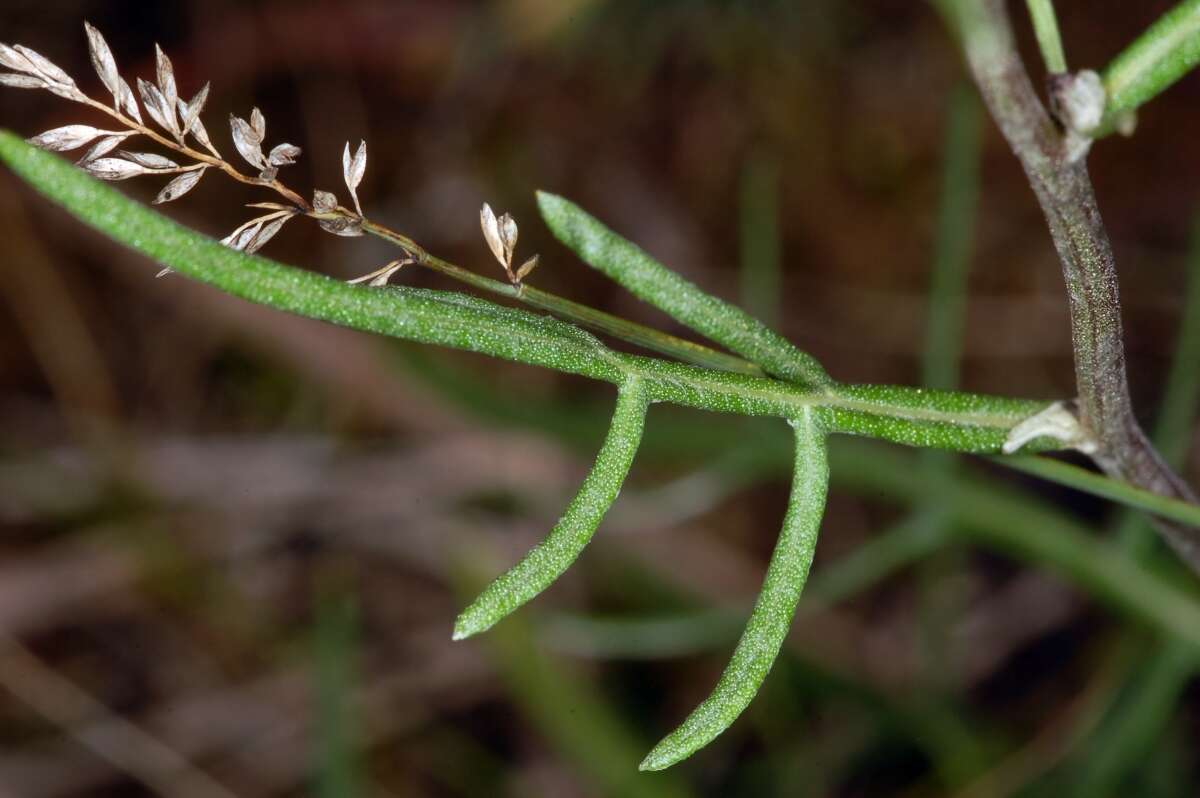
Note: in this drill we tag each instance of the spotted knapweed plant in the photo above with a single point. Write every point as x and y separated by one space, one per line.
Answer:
762 374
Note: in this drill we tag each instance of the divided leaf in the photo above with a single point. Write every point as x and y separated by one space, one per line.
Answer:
550 558
773 611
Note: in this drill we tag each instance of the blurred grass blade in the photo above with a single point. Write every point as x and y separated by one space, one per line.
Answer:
760 264
773 611
1098 485
339 769
953 242
652 282
550 558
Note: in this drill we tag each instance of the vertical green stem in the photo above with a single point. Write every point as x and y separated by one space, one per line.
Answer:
1045 27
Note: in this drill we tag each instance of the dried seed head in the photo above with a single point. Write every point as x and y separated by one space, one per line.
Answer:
527 268
284 155
149 160
129 104
62 139
189 113
248 142
342 226
166 79
179 186
324 202
156 106
45 67
104 146
13 60
508 237
114 169
104 63
380 277
353 170
491 233
21 81
259 123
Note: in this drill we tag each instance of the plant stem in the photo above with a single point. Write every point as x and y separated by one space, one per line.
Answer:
1064 190
1045 27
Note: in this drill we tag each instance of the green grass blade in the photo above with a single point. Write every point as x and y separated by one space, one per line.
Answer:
760 265
1164 53
649 280
549 559
432 317
773 611
1045 28
1099 485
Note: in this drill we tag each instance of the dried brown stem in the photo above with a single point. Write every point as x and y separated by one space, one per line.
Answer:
1059 178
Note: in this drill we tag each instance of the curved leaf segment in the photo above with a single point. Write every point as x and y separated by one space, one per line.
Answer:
773 611
547 561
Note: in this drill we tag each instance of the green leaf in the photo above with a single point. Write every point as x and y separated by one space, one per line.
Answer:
432 317
547 561
1164 53
772 615
652 282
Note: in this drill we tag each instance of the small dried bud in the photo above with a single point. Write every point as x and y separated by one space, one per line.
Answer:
104 146
104 63
284 155
342 226
324 202
248 142
491 234
71 137
114 169
149 160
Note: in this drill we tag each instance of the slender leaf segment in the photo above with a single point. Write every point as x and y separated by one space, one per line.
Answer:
773 611
681 299
549 559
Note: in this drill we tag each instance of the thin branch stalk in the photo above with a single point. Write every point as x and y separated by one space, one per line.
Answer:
1064 191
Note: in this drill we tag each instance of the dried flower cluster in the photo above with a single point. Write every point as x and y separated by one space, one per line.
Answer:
501 237
176 124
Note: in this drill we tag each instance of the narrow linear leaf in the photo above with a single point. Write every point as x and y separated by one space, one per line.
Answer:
649 280
179 186
433 317
773 611
1164 53
549 559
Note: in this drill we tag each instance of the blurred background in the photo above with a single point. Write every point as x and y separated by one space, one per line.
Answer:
234 542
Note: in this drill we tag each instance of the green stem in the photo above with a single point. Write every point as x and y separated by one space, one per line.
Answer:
1098 485
1045 27
622 329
